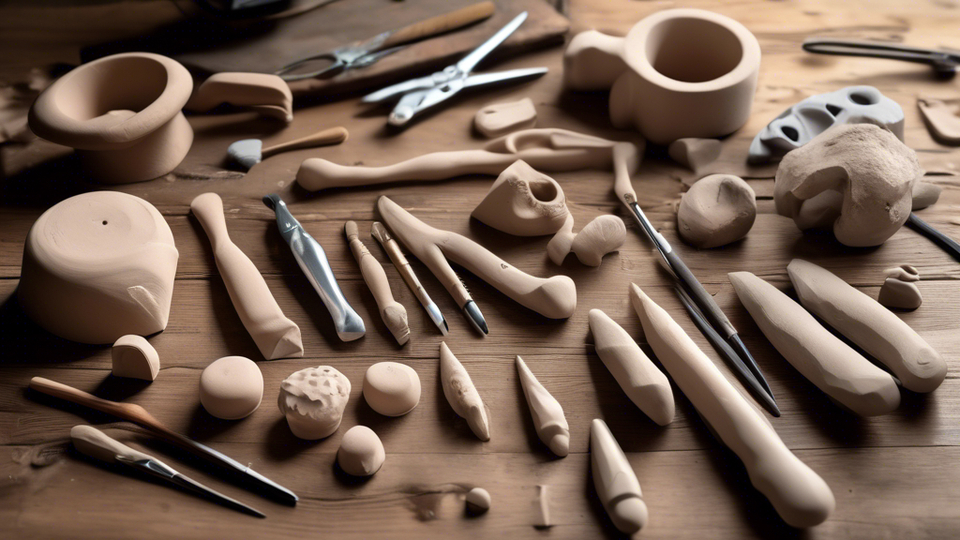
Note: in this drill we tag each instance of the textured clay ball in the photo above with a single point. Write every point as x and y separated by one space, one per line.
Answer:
717 210
391 388
313 400
361 452
231 387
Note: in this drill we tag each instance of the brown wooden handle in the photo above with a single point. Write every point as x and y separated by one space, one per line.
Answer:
334 135
440 24
69 393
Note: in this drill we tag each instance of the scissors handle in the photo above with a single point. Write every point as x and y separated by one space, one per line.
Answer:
942 61
440 24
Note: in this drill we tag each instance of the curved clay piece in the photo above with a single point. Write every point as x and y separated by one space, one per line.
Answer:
523 202
694 153
616 483
267 94
645 385
313 400
719 209
802 122
942 119
231 387
925 194
134 357
391 388
498 119
869 165
868 324
98 266
462 395
478 500
593 61
548 417
276 335
605 234
361 452
798 494
393 313
820 211
899 290
841 372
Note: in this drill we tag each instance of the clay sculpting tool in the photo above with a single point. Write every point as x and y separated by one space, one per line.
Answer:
138 415
393 313
946 243
313 261
249 152
944 63
94 443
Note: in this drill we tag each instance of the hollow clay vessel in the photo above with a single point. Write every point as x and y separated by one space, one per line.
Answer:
798 494
665 84
231 388
523 202
719 209
98 266
841 372
391 388
899 289
122 114
925 194
361 452
942 118
694 154
604 234
872 327
548 417
134 357
313 400
858 180
616 484
269 95
799 124
498 119
393 313
462 395
645 385
275 335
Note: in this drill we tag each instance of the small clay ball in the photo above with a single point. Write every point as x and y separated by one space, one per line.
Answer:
717 210
478 500
231 387
391 388
361 452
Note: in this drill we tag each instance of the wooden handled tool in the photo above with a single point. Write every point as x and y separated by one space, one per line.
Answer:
334 135
393 313
440 24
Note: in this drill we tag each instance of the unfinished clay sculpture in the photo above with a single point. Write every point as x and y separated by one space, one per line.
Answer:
231 388
391 388
868 165
942 118
98 266
925 194
462 395
841 372
393 313
548 418
134 357
361 452
523 202
605 234
313 400
798 494
645 385
616 483
267 94
799 124
899 289
498 119
869 325
478 501
694 154
718 210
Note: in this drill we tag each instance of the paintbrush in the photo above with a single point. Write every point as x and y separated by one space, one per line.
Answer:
249 152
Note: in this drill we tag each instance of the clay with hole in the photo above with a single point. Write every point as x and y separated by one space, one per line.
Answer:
498 119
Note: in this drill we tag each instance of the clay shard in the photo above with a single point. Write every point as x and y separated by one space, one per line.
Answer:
842 373
605 234
925 194
645 385
313 400
873 170
942 118
134 357
694 154
361 452
523 202
543 520
498 119
616 483
719 209
462 395
548 417
899 289
267 94
868 324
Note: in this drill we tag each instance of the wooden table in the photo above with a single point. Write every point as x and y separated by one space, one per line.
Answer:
895 476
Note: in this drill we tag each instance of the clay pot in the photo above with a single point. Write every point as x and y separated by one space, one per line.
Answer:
122 114
678 73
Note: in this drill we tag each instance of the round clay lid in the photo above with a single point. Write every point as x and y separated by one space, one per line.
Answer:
231 387
391 388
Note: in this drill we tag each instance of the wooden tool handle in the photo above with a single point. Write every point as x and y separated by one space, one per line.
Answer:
370 267
334 135
440 24
208 208
69 393
94 443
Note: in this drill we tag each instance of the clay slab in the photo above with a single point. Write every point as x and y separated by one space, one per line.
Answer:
498 119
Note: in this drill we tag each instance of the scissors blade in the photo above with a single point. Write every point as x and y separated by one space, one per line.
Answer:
470 61
484 79
422 83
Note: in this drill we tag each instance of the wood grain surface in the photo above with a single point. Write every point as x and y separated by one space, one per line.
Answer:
894 476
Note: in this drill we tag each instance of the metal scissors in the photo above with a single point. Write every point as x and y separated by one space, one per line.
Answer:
945 63
418 95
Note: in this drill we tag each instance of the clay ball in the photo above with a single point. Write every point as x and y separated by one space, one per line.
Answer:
478 500
391 388
313 400
231 387
361 452
717 210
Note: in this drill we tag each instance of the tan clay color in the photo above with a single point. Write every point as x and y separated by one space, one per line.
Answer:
462 395
719 209
616 484
134 357
231 388
942 119
523 202
98 266
393 313
694 154
498 119
548 417
873 170
361 452
269 95
899 289
478 500
554 297
925 194
841 372
543 508
123 115
665 84
645 385
873 328
276 335
605 234
798 494
391 388
313 400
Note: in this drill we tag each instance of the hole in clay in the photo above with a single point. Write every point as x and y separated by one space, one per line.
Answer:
714 52
834 110
100 90
862 99
791 133
545 191
104 222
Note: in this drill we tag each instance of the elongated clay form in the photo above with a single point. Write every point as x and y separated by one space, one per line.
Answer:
616 483
942 118
462 395
498 119
899 289
313 400
719 209
523 202
870 325
604 234
665 84
798 494
393 313
554 297
924 194
98 266
231 387
122 114
645 385
542 507
134 357
361 452
868 165
694 154
841 372
275 335
391 388
267 94
548 417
